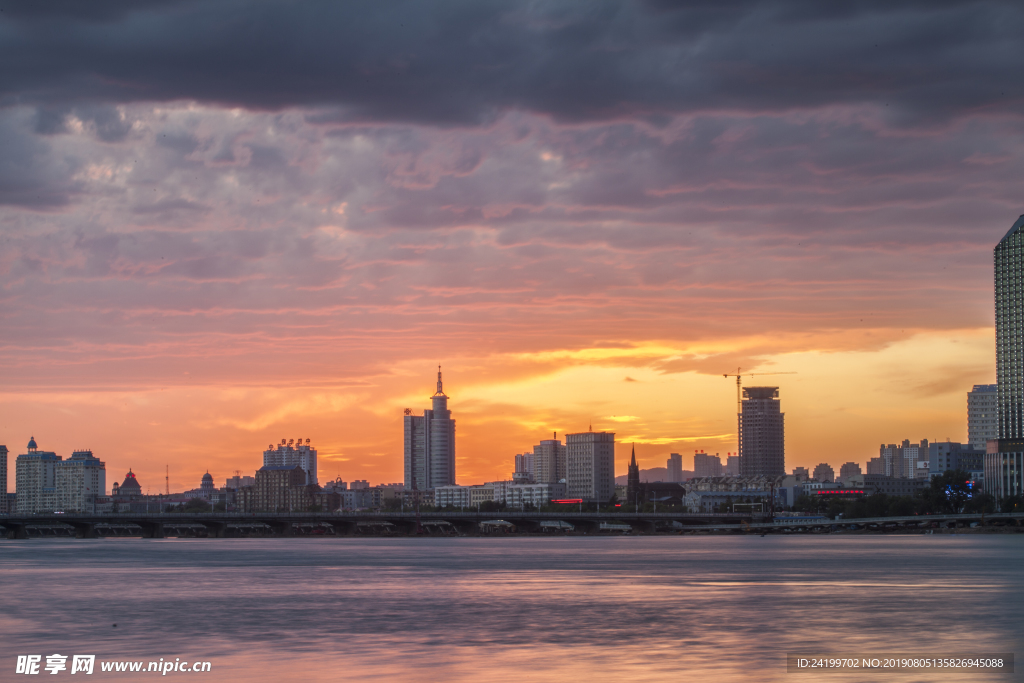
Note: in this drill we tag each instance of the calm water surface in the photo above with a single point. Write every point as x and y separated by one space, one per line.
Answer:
512 609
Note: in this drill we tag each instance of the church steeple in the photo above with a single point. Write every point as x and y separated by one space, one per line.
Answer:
633 492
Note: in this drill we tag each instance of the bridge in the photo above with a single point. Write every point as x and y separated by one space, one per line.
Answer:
223 524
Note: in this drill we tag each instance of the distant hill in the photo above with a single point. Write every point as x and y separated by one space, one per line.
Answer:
653 474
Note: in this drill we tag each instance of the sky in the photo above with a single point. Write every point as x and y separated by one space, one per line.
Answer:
223 224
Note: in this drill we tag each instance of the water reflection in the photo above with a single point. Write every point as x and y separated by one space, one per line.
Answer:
463 609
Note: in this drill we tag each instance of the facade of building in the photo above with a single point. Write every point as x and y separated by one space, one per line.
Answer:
238 481
900 461
590 466
674 465
707 494
523 472
890 486
519 496
291 453
848 470
277 489
1004 459
3 480
705 465
549 462
982 415
824 472
732 465
875 466
430 444
762 433
947 455
35 480
80 481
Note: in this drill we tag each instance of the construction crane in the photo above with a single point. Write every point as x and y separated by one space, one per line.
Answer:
739 387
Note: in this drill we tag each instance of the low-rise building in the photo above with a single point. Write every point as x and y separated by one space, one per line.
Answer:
890 486
518 496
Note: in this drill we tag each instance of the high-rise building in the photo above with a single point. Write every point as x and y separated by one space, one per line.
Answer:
523 472
3 480
674 465
1004 461
900 462
732 465
824 472
430 444
876 466
291 453
35 479
762 433
849 469
705 465
982 409
78 481
549 461
590 461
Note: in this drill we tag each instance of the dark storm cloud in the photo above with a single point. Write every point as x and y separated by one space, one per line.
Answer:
465 62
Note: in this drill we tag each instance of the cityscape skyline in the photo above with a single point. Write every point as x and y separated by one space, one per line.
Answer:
186 262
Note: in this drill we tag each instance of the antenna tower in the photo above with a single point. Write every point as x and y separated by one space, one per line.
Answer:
167 479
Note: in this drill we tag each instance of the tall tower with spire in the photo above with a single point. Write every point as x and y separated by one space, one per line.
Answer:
633 480
430 444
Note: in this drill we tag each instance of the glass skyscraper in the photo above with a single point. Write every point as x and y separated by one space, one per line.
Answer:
1005 456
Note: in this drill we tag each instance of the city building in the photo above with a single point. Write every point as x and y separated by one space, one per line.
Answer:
3 481
823 472
982 410
708 494
207 491
430 444
876 466
633 480
948 455
285 454
454 496
900 461
549 461
35 479
523 472
732 465
79 482
520 496
848 470
890 486
591 466
762 434
1004 459
238 481
705 465
128 490
358 484
278 489
674 465
801 473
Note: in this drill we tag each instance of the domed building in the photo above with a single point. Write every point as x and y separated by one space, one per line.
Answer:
207 491
130 489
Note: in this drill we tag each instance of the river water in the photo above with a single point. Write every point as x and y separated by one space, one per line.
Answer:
713 608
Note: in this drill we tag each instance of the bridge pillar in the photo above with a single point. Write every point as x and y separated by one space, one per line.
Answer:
282 528
587 526
640 526
343 527
526 525
16 531
84 530
216 529
151 529
465 527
